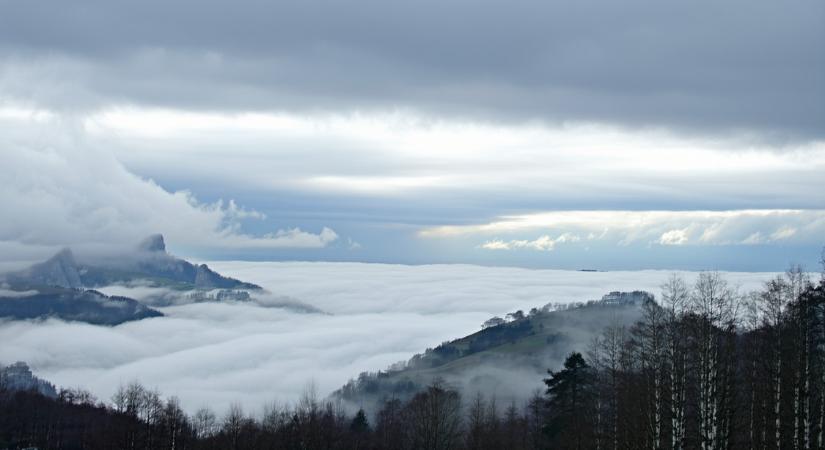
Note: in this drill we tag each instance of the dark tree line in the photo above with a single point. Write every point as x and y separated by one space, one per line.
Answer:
705 368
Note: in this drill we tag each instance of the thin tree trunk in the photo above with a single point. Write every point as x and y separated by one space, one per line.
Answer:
598 422
806 398
657 399
802 385
777 404
677 396
821 432
752 413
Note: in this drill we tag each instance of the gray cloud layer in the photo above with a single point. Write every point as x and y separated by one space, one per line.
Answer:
59 189
373 121
753 67
308 187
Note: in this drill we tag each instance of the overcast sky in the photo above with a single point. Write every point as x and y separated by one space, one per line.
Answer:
608 135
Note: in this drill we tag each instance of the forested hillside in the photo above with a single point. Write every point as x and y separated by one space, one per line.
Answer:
506 357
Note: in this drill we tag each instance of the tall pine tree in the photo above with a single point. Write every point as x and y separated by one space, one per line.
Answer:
570 393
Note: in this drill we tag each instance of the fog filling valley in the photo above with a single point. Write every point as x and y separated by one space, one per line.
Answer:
213 354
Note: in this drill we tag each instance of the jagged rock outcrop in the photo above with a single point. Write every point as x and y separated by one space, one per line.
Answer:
19 377
150 262
153 243
154 261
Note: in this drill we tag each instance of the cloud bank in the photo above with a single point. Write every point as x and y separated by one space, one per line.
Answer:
735 227
215 354
543 243
409 156
63 190
307 187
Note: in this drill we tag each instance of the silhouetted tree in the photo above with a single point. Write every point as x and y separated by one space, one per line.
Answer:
434 418
570 404
389 428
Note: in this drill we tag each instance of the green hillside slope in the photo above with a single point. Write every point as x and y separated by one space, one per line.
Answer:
507 358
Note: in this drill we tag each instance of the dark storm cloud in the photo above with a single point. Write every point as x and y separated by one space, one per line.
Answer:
707 66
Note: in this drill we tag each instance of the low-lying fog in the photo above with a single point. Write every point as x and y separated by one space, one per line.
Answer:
215 354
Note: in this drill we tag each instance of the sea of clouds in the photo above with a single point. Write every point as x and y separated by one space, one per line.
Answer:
211 354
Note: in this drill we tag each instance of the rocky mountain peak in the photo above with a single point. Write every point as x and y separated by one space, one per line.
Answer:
59 270
153 243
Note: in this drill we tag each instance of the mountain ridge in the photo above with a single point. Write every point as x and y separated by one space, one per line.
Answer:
61 287
149 262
